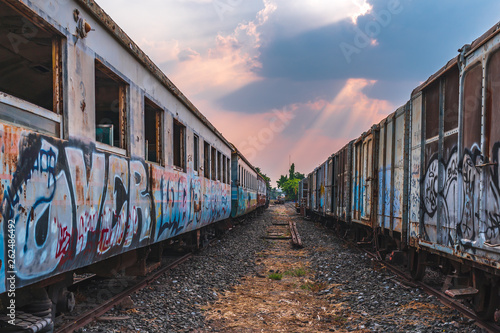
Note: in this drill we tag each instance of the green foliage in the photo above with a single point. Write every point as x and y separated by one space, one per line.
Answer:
266 178
291 172
291 187
275 276
297 272
299 176
282 181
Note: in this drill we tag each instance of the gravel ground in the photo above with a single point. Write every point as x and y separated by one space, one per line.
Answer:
173 303
373 300
367 298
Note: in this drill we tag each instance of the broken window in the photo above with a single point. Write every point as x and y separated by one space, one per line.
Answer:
206 159
228 176
110 107
196 152
179 145
472 107
31 70
214 163
224 168
152 131
219 166
492 124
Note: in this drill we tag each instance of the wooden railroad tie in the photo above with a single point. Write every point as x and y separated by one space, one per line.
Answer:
296 241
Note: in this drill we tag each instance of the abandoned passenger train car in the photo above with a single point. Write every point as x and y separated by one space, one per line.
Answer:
426 179
101 155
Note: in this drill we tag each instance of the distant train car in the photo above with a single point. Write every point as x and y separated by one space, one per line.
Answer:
244 185
261 191
341 188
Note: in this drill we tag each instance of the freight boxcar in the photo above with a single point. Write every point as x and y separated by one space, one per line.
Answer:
426 179
455 146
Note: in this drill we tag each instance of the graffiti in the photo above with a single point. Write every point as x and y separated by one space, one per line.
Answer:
245 202
73 205
41 228
462 216
185 202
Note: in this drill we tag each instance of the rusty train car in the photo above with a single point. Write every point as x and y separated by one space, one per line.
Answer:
103 160
425 181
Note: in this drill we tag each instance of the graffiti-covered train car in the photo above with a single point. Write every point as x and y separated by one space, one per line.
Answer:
101 155
426 179
246 187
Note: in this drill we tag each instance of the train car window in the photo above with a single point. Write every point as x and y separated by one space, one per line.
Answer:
472 107
196 152
224 169
110 107
206 159
493 104
153 126
179 145
31 70
219 166
432 111
214 163
451 100
228 175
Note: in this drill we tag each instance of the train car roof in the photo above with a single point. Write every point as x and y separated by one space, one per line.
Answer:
469 48
236 151
110 25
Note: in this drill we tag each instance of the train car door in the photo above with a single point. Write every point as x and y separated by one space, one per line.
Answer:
367 178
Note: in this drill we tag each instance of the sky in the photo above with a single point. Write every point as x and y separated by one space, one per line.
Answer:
290 80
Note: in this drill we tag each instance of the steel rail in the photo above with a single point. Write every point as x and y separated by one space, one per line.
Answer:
102 308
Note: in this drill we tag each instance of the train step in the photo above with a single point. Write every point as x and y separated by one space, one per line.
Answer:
462 293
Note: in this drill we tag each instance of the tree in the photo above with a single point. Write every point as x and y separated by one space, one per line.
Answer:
291 188
299 175
291 172
281 181
266 178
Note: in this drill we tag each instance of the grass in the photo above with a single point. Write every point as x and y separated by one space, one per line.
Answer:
314 287
297 272
275 276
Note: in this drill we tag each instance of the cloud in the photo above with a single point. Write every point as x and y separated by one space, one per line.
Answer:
296 16
276 93
227 66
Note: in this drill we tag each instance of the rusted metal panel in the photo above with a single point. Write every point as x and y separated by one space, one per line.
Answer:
381 175
362 179
398 173
415 166
329 186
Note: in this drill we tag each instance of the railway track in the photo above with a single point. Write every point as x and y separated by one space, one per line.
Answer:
442 297
102 308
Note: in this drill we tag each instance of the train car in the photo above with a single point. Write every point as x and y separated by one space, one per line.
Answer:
455 186
391 176
364 183
427 178
341 189
320 189
261 191
244 185
103 159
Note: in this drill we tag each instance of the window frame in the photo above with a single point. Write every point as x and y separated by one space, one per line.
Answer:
159 119
123 94
179 151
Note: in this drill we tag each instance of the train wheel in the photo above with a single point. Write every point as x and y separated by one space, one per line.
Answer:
416 264
486 301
